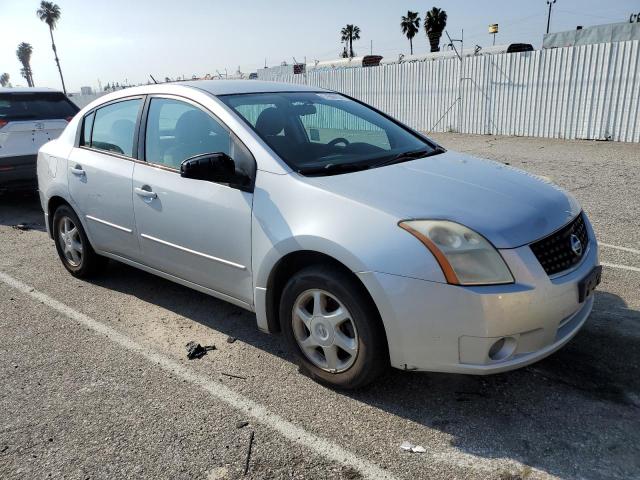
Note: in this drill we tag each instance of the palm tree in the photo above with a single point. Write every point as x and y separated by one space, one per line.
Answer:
348 35
23 53
4 80
434 24
49 13
410 26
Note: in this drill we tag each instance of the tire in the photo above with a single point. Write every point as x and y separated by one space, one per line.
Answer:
346 318
83 263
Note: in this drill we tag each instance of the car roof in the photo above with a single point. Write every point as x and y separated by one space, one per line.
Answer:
231 87
210 87
28 90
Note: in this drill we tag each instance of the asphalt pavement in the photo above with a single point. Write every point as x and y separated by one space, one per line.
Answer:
95 383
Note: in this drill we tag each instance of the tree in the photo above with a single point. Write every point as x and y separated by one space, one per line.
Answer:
4 80
434 24
348 35
410 25
49 13
23 53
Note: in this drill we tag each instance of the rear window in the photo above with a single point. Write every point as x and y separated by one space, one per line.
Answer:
35 106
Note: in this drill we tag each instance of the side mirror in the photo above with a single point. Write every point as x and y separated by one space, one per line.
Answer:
213 167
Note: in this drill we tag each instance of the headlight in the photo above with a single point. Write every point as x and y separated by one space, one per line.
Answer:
466 257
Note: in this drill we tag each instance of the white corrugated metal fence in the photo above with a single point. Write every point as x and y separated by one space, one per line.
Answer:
587 92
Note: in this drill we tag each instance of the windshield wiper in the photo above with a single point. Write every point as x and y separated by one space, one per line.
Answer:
411 155
335 168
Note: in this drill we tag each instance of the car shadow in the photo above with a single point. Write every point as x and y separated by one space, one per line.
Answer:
562 415
21 210
575 414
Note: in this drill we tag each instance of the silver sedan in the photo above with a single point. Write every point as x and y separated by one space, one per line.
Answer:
361 240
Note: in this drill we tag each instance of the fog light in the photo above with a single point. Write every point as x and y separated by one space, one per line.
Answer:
502 348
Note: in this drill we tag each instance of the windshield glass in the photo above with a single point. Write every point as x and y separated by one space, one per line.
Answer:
326 133
36 106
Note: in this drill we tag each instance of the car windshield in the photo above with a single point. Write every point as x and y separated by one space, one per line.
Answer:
323 133
35 106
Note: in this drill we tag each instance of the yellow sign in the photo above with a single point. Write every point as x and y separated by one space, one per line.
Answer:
493 28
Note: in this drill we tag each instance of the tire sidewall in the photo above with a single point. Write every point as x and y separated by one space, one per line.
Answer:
372 349
82 269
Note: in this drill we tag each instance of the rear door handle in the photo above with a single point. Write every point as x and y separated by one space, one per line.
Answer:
145 193
77 170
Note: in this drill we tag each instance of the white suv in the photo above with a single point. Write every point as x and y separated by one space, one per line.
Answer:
29 118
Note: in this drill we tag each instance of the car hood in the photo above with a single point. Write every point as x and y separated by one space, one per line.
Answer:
510 207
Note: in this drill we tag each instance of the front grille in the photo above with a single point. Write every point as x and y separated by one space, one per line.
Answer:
555 252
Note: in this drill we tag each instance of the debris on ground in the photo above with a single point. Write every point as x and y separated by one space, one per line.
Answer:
246 463
25 226
231 339
195 350
242 424
233 376
410 447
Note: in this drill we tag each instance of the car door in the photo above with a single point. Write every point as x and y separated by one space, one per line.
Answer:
100 176
196 230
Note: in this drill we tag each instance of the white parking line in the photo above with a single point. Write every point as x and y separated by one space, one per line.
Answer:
321 446
616 247
621 267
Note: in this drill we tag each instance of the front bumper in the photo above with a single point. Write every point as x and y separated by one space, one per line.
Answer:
433 326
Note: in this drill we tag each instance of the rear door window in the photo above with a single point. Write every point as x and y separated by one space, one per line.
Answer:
114 127
36 106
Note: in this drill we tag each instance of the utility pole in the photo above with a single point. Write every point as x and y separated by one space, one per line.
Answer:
550 3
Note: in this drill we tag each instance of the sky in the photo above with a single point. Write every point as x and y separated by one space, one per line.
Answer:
125 41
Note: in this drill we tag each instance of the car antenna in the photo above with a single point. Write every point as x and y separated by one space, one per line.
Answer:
154 80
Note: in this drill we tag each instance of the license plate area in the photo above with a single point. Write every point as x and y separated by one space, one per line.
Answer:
588 284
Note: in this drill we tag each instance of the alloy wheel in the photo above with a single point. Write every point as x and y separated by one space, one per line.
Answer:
70 241
325 331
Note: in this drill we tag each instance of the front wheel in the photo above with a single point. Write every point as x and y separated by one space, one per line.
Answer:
72 244
332 327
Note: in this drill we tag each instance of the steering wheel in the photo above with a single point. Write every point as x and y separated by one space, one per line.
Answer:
338 140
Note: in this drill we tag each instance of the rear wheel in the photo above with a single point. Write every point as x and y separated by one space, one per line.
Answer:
72 244
332 327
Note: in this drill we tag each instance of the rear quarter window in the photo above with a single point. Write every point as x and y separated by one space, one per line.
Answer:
36 106
87 126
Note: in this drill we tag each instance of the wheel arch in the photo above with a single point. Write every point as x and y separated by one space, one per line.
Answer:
52 204
295 261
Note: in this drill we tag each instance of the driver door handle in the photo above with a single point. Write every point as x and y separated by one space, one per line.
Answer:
145 193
